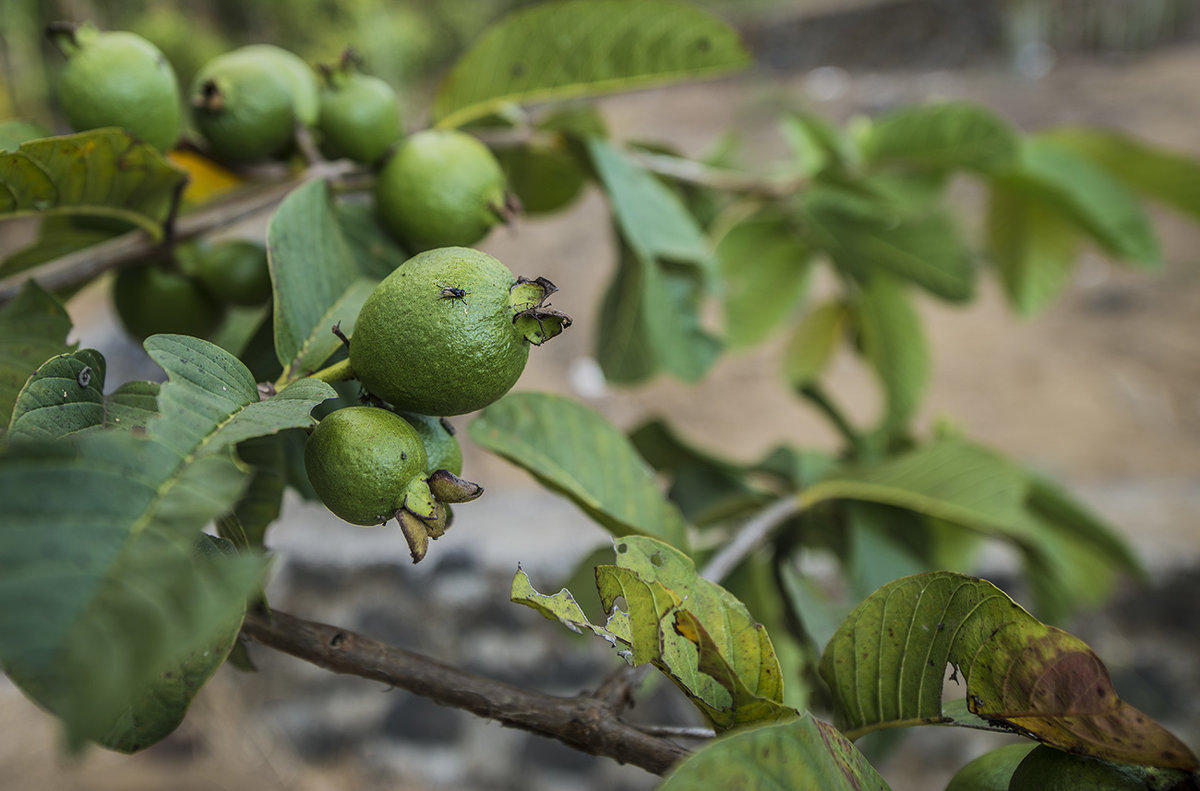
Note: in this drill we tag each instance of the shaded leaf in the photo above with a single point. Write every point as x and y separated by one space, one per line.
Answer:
573 450
893 340
813 344
1032 244
622 341
576 48
942 136
804 754
102 171
33 328
1170 177
376 251
317 279
262 498
1019 673
919 243
1098 202
765 266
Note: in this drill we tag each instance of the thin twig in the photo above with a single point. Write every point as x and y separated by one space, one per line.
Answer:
750 537
83 265
677 732
817 396
584 723
692 172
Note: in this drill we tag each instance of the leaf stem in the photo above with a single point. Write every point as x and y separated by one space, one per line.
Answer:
584 722
338 372
751 536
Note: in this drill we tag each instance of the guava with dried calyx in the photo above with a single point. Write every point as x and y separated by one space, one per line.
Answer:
117 78
449 331
360 114
369 466
441 188
234 271
246 103
154 298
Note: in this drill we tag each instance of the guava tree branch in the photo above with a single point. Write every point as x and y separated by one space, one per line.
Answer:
588 723
83 265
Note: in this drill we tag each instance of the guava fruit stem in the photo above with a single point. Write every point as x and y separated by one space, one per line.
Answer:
338 372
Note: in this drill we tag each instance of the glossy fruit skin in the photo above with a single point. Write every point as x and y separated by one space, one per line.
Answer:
151 299
361 461
422 348
360 118
235 272
440 188
992 770
244 108
120 79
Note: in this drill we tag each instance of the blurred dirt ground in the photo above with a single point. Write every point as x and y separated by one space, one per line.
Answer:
1102 392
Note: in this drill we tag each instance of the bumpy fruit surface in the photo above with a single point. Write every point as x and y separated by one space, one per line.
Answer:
448 332
244 107
360 116
235 272
151 299
1048 769
119 79
367 464
440 188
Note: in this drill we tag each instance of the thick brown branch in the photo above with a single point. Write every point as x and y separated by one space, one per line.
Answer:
585 723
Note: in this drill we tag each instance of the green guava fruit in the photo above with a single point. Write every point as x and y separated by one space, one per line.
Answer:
244 107
301 79
441 188
992 770
1051 769
117 79
235 272
152 298
449 331
360 115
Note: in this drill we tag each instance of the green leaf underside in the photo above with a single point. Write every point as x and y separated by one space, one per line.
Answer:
574 451
577 48
805 754
662 279
766 270
894 343
920 244
33 328
693 630
1171 178
317 279
1032 244
1098 202
101 171
92 512
943 137
886 664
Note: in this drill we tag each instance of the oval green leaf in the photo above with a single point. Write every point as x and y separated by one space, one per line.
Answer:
102 171
941 137
886 664
573 450
805 754
564 50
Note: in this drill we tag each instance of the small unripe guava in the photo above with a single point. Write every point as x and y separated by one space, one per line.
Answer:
441 188
360 115
118 79
151 299
235 272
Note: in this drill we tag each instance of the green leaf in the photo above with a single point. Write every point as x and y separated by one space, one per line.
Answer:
918 243
1173 178
1019 673
262 499
1099 203
693 630
102 171
766 269
573 450
375 250
15 132
939 137
816 145
576 48
318 281
805 754
33 328
894 343
1033 245
661 283
813 344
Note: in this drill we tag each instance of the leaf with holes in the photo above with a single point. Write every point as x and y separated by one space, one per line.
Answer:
574 48
886 664
102 172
